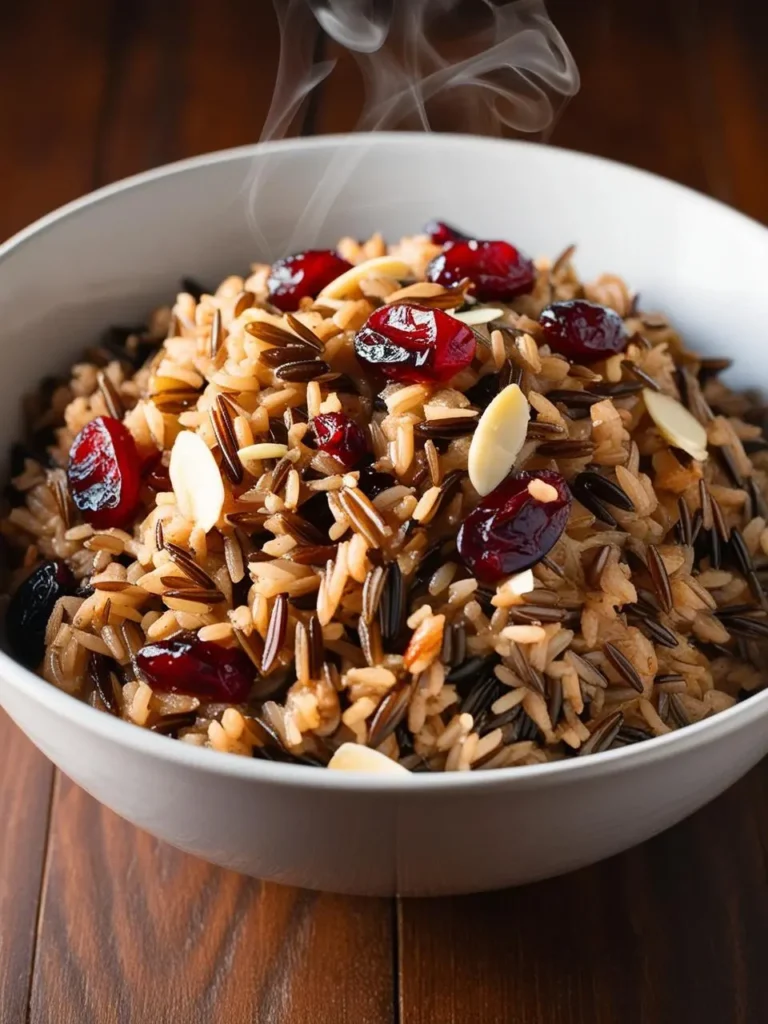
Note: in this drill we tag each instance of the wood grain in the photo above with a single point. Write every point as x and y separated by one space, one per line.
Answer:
733 39
672 931
52 71
642 98
186 78
131 930
25 786
47 147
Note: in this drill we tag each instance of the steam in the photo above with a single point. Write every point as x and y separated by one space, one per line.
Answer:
515 65
466 65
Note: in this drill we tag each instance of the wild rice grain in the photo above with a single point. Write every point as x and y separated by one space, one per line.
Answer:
300 560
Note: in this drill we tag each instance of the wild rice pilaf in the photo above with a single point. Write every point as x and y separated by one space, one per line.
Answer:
319 557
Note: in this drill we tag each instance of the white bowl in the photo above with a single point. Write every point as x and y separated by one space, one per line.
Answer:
112 255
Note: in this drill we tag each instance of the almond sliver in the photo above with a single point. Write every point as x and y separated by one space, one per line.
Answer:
498 439
196 480
348 283
354 757
479 315
675 424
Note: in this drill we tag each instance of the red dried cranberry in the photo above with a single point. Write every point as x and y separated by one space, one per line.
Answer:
200 668
510 530
441 233
579 329
498 270
31 607
338 435
105 473
305 274
414 344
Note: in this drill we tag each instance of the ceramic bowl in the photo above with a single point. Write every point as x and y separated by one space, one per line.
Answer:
113 255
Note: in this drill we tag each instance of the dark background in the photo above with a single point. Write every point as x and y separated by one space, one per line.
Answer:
101 923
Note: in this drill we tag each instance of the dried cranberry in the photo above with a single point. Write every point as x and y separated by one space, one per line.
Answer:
338 435
498 270
373 481
510 530
441 233
31 607
305 274
105 473
579 329
200 668
415 344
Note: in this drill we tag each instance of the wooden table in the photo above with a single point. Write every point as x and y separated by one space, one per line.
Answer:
101 923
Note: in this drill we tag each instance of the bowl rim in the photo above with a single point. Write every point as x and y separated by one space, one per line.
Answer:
143 741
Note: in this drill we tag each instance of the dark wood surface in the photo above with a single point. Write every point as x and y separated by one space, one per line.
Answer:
101 923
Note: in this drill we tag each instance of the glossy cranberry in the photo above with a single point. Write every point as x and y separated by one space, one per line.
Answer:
31 607
498 270
579 329
413 344
104 473
441 233
373 482
510 530
305 274
200 668
338 435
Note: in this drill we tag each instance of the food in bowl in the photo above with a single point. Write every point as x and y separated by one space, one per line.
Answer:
428 506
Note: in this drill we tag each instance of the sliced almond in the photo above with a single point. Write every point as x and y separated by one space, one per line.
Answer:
510 592
675 424
521 583
348 284
196 480
498 438
354 757
479 315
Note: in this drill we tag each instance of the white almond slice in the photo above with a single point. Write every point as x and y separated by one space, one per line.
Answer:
676 425
521 583
349 282
354 757
196 480
498 438
264 450
511 591
479 315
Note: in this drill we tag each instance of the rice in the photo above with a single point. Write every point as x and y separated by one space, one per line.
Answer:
357 614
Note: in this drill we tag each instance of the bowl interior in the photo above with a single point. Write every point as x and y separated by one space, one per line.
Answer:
111 257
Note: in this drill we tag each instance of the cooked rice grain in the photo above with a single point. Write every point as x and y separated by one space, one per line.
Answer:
647 615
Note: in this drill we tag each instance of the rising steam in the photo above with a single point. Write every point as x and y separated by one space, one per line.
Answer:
466 65
513 69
